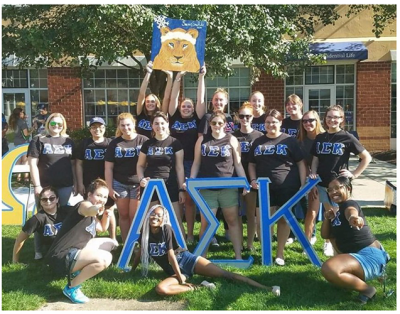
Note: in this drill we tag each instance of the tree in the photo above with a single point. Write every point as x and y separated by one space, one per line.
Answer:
261 36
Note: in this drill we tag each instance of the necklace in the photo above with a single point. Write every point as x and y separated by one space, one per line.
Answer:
330 139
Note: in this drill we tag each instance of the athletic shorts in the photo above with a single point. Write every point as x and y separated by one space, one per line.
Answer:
279 197
372 261
126 191
187 261
223 198
324 197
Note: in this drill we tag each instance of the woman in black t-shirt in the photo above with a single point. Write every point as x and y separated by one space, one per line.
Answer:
161 157
75 251
147 106
157 240
120 170
46 222
184 123
360 256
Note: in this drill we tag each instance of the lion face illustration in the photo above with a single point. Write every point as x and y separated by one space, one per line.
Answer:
177 51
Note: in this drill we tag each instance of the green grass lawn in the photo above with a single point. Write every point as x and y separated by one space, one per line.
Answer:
30 284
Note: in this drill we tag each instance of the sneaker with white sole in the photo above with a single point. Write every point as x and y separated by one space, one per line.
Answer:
208 285
289 241
328 249
75 294
38 255
276 290
279 261
313 240
214 242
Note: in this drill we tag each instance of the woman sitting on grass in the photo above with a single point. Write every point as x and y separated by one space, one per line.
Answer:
75 251
361 257
157 240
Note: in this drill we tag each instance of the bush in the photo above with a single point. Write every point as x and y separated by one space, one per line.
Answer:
78 135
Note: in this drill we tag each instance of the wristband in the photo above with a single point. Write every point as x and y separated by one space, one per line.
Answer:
182 190
253 180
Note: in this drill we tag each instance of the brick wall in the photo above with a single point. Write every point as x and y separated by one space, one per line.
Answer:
65 95
273 90
373 105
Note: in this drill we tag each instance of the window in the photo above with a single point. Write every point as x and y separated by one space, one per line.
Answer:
393 101
15 78
345 92
320 75
38 88
237 86
109 92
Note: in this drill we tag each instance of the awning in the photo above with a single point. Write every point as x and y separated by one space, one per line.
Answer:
341 50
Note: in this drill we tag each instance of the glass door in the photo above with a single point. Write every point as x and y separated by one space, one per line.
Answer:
17 98
318 99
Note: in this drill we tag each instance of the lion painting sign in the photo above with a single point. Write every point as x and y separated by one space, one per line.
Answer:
178 45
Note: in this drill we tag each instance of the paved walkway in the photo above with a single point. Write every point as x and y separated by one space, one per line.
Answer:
369 188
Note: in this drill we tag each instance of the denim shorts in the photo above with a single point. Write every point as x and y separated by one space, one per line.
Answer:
323 196
126 191
372 261
187 261
187 166
223 198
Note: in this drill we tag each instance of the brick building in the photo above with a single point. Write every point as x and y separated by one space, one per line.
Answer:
360 74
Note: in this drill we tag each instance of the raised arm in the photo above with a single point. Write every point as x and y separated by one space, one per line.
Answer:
201 88
143 87
173 103
167 92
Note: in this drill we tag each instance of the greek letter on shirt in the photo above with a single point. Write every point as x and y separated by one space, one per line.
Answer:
184 126
48 229
144 124
92 228
98 154
215 151
245 147
58 149
279 149
157 249
127 152
330 148
158 151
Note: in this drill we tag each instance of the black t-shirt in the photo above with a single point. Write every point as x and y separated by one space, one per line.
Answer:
276 158
46 225
259 123
205 128
160 157
290 126
245 141
143 125
333 152
93 155
55 155
306 148
216 157
185 130
159 245
75 232
124 154
350 240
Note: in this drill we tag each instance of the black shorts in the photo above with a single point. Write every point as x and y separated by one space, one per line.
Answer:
172 189
279 197
64 265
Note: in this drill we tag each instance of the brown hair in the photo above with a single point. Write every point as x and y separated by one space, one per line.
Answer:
12 120
122 116
96 184
318 127
275 114
158 114
217 115
294 99
335 108
158 104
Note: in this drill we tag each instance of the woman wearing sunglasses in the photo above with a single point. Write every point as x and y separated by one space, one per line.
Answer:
46 222
50 159
277 156
246 136
217 155
184 123
76 252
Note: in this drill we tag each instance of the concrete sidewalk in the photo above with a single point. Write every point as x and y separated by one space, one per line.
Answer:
369 188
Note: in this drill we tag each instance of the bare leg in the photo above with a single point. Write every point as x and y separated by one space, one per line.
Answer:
190 215
171 286
250 200
205 268
124 219
177 210
133 206
113 225
231 218
345 271
311 216
283 234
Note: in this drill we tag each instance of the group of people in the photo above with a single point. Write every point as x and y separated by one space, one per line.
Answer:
175 140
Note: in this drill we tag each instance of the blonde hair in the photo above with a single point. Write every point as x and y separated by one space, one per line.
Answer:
158 104
144 256
334 108
122 116
294 99
223 91
264 107
63 132
302 135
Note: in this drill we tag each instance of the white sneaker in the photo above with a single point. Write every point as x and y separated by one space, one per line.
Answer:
214 242
279 261
208 285
276 290
313 240
328 249
289 241
38 255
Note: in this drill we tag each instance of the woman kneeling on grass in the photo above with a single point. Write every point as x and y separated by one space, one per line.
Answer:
75 252
361 257
158 240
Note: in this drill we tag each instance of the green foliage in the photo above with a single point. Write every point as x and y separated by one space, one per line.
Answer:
78 135
260 36
29 285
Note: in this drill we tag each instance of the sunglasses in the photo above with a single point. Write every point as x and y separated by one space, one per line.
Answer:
308 120
46 199
214 123
247 116
53 123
